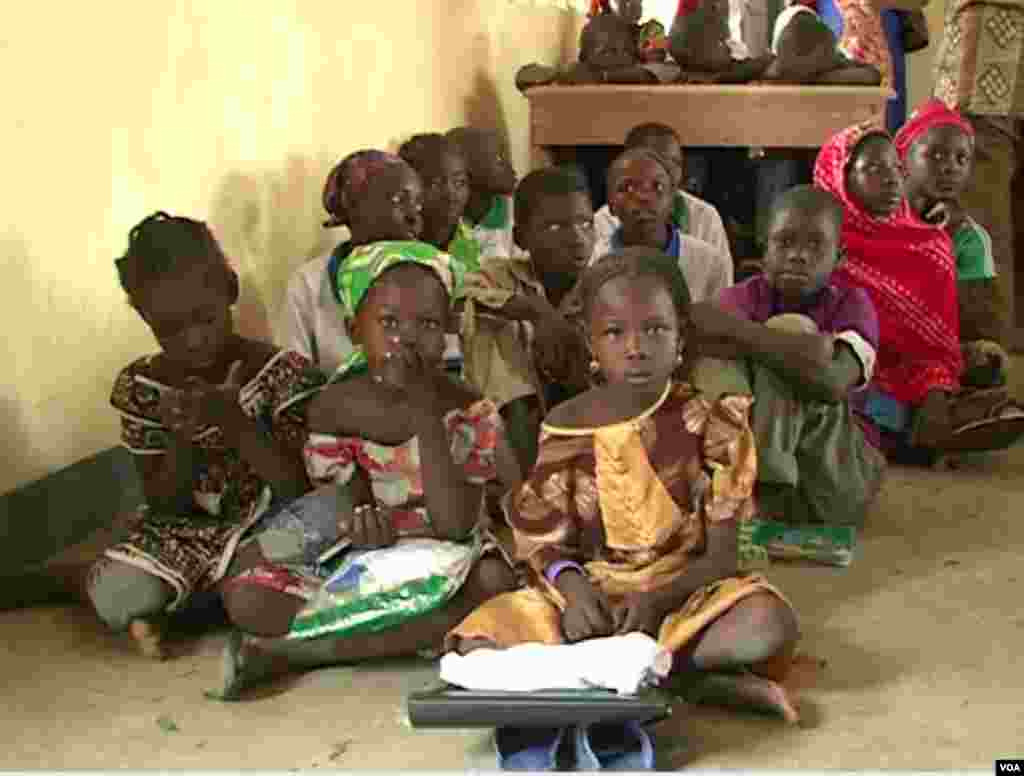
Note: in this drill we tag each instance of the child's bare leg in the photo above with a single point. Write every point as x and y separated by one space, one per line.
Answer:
250 659
733 657
756 629
128 598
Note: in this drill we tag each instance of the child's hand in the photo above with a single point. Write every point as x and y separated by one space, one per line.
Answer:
712 323
641 612
370 528
218 402
557 345
404 369
932 421
587 612
947 213
180 412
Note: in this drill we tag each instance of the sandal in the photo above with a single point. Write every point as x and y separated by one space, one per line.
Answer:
614 746
528 748
984 420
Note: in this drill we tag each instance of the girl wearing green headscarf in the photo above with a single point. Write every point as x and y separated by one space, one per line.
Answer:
393 549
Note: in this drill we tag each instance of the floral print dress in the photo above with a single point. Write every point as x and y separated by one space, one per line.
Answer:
192 551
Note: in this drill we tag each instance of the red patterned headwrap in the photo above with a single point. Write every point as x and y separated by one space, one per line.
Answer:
909 271
931 114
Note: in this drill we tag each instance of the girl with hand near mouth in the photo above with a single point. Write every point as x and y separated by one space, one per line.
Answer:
937 148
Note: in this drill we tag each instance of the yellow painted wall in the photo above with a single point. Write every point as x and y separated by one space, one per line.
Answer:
229 111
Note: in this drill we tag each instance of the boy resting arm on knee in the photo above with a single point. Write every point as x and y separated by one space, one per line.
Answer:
790 319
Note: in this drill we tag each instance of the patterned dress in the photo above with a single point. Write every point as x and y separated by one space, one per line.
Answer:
395 472
631 503
395 476
192 551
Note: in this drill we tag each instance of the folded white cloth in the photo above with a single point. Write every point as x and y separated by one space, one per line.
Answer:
621 663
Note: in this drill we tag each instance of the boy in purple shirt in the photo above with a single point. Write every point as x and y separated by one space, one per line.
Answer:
805 349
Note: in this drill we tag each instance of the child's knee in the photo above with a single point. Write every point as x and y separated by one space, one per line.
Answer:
770 614
121 593
259 611
795 323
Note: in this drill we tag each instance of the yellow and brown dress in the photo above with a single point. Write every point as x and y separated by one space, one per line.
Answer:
630 502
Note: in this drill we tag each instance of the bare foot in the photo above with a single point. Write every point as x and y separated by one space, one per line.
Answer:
744 691
148 638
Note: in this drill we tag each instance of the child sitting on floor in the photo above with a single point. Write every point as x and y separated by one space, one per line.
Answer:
690 214
641 195
908 269
807 350
628 521
211 421
407 448
378 196
445 177
492 181
519 347
937 148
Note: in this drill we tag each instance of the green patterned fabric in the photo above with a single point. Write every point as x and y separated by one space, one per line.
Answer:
465 248
366 263
681 213
498 215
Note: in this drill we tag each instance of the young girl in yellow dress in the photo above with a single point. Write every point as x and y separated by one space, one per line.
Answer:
628 521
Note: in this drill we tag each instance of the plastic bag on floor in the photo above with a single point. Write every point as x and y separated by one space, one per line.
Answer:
373 590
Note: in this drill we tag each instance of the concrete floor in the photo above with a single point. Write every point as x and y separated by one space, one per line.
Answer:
920 635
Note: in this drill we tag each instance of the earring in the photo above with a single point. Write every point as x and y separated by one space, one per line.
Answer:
679 359
595 367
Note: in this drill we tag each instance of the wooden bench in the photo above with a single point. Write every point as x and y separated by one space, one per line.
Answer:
745 115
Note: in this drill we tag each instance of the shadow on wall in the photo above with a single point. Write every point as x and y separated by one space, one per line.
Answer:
269 223
22 460
483 106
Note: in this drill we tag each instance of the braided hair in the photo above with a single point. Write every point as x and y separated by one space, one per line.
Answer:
161 244
350 179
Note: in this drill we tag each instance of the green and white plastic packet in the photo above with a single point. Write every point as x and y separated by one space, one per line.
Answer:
373 590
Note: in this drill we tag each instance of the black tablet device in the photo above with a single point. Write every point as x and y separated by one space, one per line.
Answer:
450 706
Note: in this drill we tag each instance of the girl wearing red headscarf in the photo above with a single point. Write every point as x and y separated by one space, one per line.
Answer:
908 268
937 149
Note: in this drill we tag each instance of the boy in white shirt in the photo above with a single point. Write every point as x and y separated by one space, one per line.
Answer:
691 215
